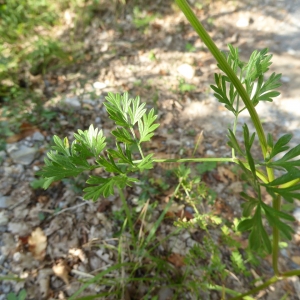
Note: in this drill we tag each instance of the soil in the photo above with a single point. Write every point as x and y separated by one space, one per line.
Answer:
53 239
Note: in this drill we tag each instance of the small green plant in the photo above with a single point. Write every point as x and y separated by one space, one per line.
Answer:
142 18
239 86
185 87
21 296
190 47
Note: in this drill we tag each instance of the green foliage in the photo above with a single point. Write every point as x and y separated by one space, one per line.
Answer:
241 82
21 296
185 87
251 75
142 18
67 160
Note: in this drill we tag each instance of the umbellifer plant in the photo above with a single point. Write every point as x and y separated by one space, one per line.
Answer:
239 86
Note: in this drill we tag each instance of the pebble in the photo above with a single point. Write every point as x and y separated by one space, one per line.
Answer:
243 22
73 102
2 155
24 155
99 85
285 79
165 293
14 171
98 120
296 214
6 287
190 243
3 217
37 136
186 235
2 260
186 70
3 202
210 153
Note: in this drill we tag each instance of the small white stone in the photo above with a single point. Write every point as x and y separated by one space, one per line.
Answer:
186 70
35 168
210 153
296 214
285 79
242 22
99 85
17 257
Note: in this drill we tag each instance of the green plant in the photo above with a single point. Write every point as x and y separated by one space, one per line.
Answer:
240 86
190 47
185 87
21 296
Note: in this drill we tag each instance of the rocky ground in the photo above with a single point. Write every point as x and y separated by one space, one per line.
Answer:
53 239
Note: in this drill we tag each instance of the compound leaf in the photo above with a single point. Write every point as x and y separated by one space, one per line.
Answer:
146 126
105 186
280 145
91 142
137 111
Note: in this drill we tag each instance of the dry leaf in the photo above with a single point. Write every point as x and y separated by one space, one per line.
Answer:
37 244
236 187
26 129
44 282
198 140
61 270
184 214
225 174
176 259
296 260
104 205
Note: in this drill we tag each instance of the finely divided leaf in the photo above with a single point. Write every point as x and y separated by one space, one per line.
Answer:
146 163
137 111
61 146
293 173
60 164
123 155
287 193
233 143
280 145
105 186
146 126
90 141
291 154
117 108
109 165
123 136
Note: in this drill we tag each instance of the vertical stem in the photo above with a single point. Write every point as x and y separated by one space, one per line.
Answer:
225 67
275 252
137 143
128 215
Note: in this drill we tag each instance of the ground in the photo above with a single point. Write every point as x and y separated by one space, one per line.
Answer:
54 239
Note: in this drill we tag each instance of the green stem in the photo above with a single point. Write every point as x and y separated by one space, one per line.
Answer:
222 289
139 146
227 70
225 67
128 215
183 160
275 252
257 289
